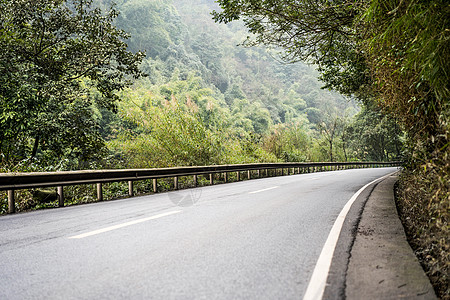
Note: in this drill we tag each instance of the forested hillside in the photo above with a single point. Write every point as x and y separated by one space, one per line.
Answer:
149 83
244 103
241 96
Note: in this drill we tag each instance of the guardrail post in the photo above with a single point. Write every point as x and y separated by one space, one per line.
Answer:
60 195
155 185
175 182
211 178
259 173
11 202
195 181
99 192
238 176
225 177
249 175
130 188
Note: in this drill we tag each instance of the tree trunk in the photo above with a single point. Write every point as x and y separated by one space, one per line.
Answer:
35 147
331 150
345 152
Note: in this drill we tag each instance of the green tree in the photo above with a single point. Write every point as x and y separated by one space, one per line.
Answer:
330 129
54 55
374 136
318 31
289 142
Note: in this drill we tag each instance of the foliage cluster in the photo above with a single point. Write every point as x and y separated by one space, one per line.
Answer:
55 54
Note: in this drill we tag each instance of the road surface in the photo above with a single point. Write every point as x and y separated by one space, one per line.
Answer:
245 240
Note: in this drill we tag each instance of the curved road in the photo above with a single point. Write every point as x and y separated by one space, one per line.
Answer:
245 240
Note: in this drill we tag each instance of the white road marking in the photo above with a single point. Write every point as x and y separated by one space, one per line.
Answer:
319 277
268 189
106 229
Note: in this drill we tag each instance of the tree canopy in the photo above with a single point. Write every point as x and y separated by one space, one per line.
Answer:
54 54
319 31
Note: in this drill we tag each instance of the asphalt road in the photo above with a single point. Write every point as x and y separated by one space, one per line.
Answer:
245 240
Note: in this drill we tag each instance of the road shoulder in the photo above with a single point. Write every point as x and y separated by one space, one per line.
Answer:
373 259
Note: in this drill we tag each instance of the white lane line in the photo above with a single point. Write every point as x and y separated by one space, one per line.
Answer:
106 229
319 277
268 189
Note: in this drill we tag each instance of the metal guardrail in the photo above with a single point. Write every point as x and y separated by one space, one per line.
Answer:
17 181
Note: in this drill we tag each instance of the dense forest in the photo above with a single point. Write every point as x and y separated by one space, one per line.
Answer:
238 104
149 83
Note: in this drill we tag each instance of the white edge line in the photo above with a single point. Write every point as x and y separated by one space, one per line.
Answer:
268 189
319 277
106 229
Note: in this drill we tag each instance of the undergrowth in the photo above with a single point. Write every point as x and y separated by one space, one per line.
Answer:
423 203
